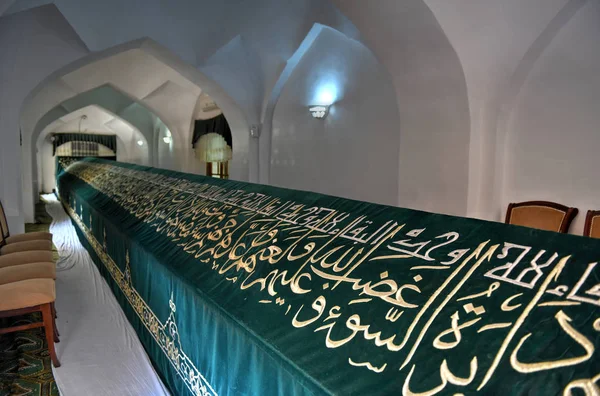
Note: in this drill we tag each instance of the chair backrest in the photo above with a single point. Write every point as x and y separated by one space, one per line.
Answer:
542 215
2 239
592 224
3 222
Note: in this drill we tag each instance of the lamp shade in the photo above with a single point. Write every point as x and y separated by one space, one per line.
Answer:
217 125
212 147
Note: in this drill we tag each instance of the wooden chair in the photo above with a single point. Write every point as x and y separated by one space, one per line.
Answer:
43 270
592 224
28 296
21 245
27 246
17 273
30 236
38 256
542 215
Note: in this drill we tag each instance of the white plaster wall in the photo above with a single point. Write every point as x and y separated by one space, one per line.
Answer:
448 138
169 100
166 157
32 45
352 153
47 165
138 115
192 32
108 111
127 151
127 127
200 33
447 141
554 130
491 38
432 101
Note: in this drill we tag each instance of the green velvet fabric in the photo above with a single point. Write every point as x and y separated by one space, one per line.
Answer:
63 162
243 289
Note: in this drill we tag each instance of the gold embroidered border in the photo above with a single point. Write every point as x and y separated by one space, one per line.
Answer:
165 335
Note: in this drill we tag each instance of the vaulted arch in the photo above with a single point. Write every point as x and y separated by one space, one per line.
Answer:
132 143
433 101
170 95
201 58
353 152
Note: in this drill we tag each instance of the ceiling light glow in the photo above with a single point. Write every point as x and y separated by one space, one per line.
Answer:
326 94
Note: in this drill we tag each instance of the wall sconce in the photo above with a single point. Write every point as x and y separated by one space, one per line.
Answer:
167 139
319 111
254 131
140 142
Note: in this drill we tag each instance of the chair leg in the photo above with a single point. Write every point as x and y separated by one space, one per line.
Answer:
49 329
56 335
55 316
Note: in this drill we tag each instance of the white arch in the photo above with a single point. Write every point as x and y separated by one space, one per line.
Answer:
262 44
269 109
86 99
511 93
181 139
125 141
433 103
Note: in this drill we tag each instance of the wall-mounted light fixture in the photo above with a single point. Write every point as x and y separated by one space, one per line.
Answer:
83 117
319 111
168 139
255 131
324 96
140 142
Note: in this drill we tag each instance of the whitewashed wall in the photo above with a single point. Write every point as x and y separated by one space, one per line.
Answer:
431 92
127 152
32 45
236 67
352 153
463 75
553 144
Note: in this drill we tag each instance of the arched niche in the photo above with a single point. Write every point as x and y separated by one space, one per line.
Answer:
552 133
432 98
353 152
132 144
180 145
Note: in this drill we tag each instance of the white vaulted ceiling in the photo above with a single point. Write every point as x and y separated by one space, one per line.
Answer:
461 101
133 71
97 120
497 43
138 75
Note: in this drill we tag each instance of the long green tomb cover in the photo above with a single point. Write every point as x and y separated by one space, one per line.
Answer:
243 289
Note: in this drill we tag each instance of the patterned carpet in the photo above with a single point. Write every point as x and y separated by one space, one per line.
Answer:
25 367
